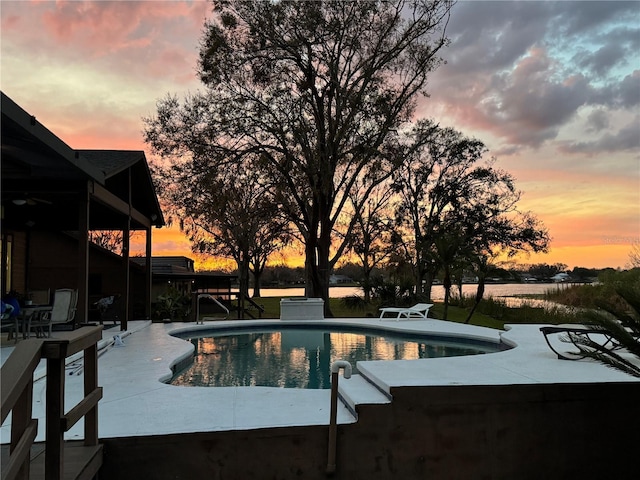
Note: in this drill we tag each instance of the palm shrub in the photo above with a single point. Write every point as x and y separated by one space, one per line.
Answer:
619 319
355 302
390 293
172 305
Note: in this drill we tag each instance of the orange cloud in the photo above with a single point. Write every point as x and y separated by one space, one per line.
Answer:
601 256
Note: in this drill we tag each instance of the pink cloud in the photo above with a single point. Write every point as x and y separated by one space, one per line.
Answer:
141 39
524 106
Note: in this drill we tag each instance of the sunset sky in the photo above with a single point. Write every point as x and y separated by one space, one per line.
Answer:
552 88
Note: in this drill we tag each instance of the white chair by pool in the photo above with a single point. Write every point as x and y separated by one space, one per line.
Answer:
419 310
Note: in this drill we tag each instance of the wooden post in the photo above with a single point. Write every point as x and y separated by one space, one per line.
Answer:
148 276
82 308
126 280
21 417
90 384
126 234
53 459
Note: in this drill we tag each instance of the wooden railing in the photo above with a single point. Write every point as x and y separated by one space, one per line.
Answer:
81 462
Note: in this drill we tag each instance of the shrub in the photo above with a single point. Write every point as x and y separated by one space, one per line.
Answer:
173 305
354 302
619 318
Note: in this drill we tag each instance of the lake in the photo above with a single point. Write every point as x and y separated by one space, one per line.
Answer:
437 292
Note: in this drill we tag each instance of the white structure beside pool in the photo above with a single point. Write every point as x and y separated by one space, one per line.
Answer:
301 308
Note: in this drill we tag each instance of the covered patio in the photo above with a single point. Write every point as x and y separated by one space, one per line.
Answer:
53 197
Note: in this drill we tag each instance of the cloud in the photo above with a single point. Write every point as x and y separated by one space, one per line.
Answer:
524 106
629 90
597 121
627 139
523 71
586 17
602 60
552 87
532 106
144 40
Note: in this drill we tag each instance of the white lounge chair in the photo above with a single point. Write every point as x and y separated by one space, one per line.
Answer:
419 310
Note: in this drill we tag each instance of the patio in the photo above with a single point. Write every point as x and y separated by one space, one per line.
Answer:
137 403
519 413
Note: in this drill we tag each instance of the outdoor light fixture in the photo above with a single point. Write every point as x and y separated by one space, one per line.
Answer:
19 201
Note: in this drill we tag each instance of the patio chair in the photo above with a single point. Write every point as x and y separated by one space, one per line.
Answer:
65 301
419 310
570 333
108 309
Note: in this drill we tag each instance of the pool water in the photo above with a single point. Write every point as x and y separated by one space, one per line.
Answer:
302 357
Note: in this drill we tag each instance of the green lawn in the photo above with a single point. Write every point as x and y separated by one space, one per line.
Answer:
272 310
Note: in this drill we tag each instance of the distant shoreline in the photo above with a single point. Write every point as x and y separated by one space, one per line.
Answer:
437 291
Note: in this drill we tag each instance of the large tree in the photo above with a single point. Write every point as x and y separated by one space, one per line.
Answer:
371 237
436 176
456 209
315 91
229 212
500 232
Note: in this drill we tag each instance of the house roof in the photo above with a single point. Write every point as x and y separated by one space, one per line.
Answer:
44 179
179 268
111 162
115 165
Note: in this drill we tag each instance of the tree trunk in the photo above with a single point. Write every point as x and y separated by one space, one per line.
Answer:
479 295
427 285
243 284
318 271
366 287
447 291
257 283
366 280
460 291
309 268
322 276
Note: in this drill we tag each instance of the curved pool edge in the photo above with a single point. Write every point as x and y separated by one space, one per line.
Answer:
431 327
486 340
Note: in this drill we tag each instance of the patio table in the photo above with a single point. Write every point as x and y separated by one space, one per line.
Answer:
27 314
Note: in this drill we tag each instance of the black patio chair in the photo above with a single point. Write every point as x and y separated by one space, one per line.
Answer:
572 334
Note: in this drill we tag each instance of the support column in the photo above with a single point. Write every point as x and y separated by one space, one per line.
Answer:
127 281
148 276
82 308
126 234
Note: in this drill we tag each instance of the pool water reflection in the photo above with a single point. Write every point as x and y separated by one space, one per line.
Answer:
301 357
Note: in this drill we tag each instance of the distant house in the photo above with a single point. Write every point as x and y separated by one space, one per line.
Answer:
339 280
53 196
178 272
560 277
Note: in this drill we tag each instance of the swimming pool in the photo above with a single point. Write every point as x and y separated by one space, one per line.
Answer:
301 356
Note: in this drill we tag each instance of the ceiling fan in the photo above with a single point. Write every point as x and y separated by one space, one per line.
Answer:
30 201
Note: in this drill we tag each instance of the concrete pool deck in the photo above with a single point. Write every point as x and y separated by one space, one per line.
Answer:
137 403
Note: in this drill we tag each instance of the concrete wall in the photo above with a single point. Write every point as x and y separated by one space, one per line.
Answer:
455 432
